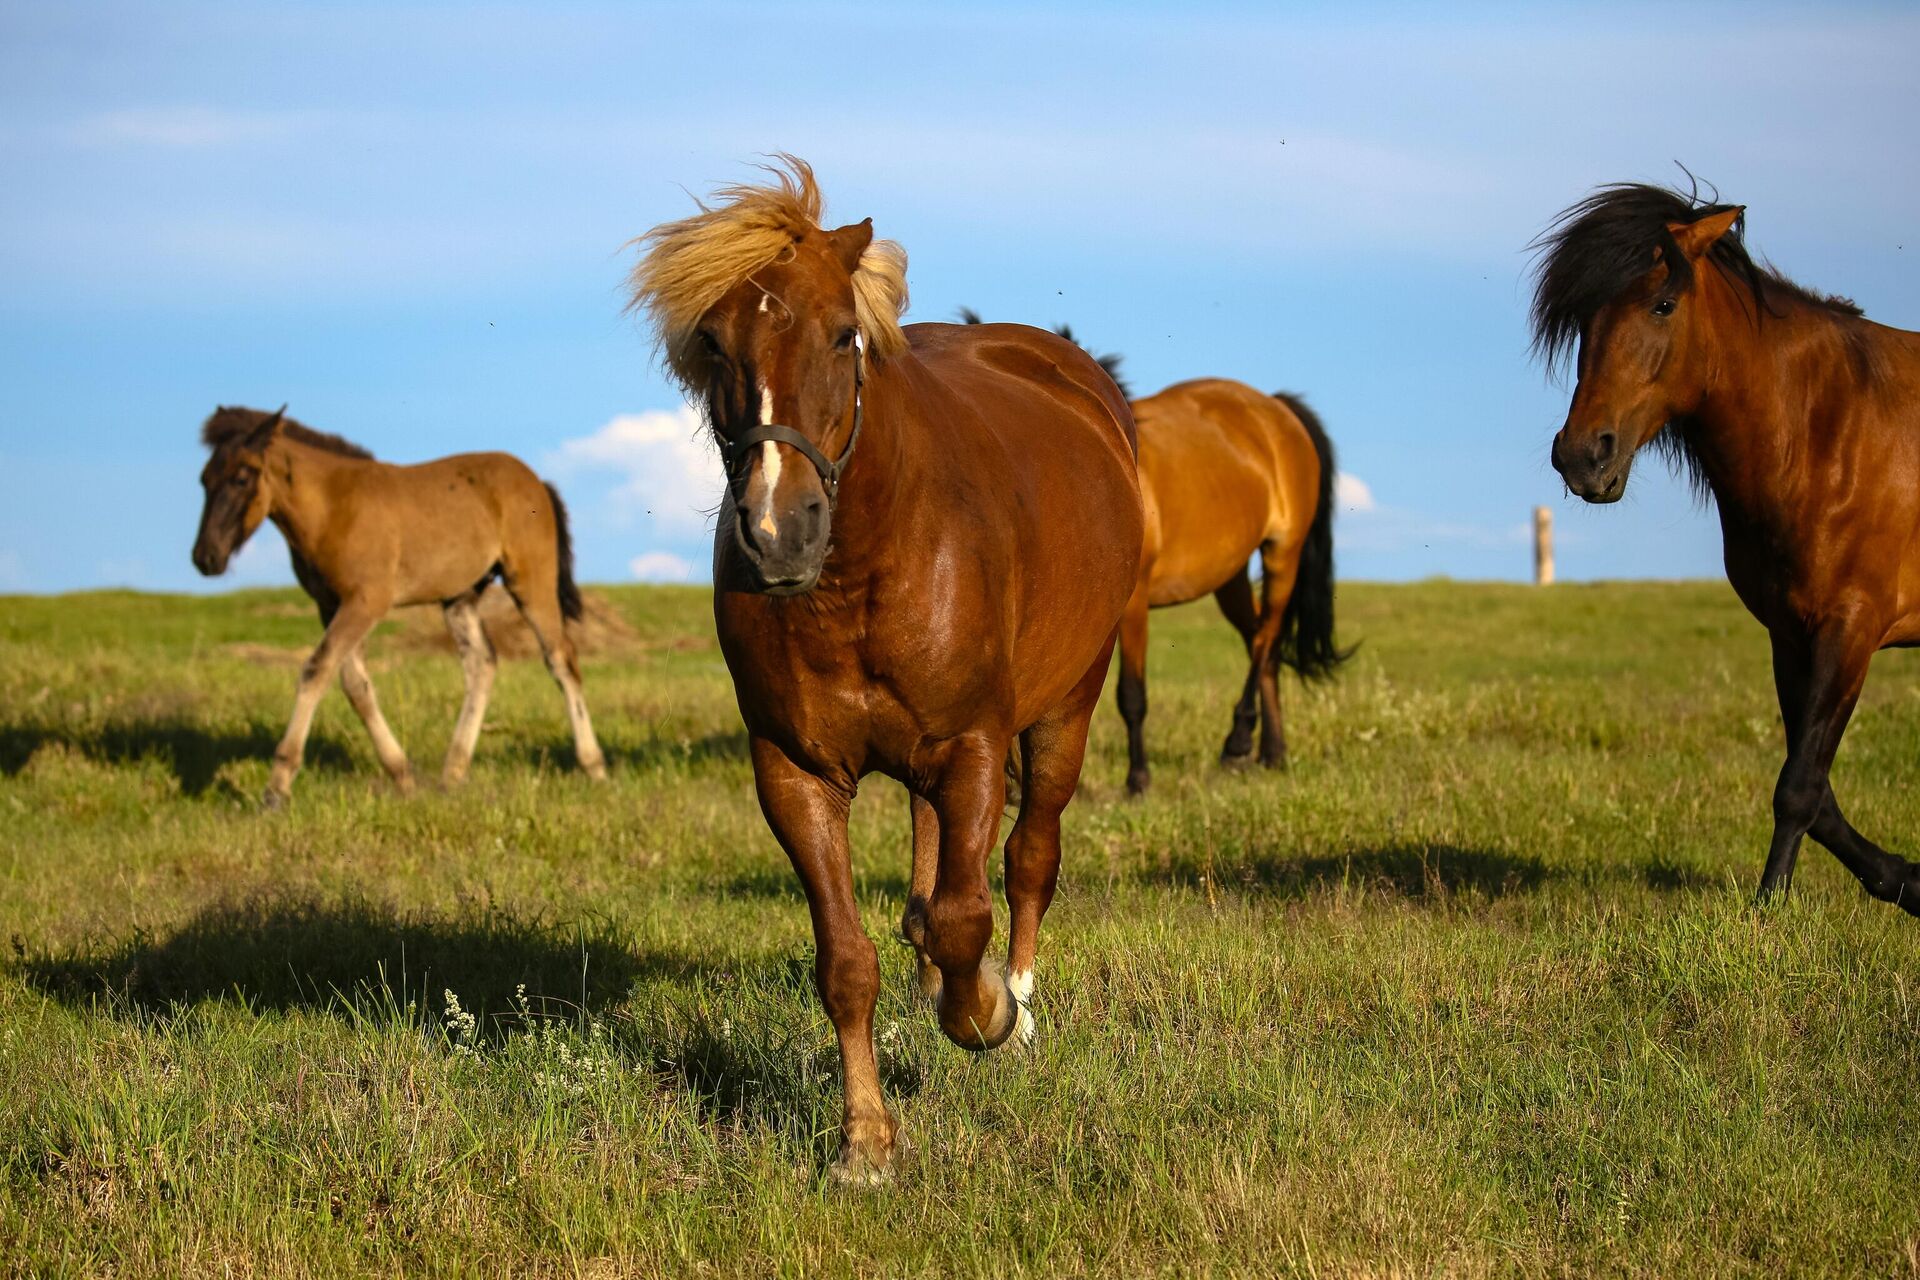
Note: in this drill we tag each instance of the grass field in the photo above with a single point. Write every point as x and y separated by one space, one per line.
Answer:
1476 988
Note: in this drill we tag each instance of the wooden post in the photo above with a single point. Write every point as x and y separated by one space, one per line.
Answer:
1542 547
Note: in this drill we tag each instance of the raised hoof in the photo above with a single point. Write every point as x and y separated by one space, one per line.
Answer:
974 1035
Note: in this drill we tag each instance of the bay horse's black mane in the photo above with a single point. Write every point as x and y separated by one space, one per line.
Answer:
236 423
1598 247
1109 362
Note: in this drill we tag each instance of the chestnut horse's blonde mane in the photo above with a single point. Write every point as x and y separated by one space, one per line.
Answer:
689 265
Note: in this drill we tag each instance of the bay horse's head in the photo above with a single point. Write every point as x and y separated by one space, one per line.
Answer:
237 496
769 321
1618 286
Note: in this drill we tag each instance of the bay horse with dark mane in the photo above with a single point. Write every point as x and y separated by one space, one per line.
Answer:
1798 414
1225 472
366 536
927 542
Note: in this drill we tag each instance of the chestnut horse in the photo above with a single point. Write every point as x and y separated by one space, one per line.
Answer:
366 536
928 539
1224 472
1798 414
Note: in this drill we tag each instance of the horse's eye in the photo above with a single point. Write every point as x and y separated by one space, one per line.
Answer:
1664 307
238 478
710 344
846 339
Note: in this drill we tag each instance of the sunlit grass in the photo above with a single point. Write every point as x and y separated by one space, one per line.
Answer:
1474 988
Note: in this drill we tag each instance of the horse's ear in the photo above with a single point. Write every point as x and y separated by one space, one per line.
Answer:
851 241
1696 238
262 435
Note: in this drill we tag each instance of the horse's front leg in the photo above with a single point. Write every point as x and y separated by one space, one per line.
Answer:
976 1008
808 815
349 625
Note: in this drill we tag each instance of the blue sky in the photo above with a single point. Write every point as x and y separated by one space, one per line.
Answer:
408 222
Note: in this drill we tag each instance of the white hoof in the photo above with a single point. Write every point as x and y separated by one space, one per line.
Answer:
1020 982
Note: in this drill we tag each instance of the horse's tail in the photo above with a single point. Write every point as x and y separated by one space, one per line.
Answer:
570 606
1306 627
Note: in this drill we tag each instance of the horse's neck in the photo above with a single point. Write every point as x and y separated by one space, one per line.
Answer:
1790 375
874 510
302 477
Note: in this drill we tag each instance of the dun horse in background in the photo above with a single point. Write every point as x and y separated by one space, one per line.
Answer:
928 539
366 536
1226 471
1803 420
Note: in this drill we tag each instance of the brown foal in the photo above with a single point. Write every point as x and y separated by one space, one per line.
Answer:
1799 415
929 537
366 536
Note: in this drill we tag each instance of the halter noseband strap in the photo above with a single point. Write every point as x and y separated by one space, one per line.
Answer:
739 447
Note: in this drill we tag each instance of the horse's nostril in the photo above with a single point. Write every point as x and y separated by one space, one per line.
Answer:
1603 445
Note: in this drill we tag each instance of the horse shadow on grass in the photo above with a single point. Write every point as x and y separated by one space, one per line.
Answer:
644 755
1427 873
347 956
364 962
195 755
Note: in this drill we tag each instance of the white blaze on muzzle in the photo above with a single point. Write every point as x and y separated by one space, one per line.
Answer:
769 465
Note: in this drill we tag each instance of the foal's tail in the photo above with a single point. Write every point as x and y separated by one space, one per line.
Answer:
570 607
1306 627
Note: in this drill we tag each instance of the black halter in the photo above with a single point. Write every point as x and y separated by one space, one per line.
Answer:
737 449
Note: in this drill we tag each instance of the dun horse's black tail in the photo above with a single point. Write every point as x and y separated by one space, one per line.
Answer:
570 606
1306 628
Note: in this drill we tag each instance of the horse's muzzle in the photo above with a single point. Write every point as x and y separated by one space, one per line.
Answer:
209 562
785 551
1593 465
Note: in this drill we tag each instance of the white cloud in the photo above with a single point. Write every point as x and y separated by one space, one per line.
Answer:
186 128
1351 493
669 471
660 566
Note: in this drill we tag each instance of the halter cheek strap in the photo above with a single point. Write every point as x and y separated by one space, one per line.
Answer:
738 448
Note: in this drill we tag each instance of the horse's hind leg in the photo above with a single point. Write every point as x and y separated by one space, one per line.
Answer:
350 625
1279 568
1053 751
926 863
1236 602
542 612
1131 689
358 687
1818 682
478 663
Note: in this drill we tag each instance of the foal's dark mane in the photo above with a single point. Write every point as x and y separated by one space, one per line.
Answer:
1109 362
1594 250
230 424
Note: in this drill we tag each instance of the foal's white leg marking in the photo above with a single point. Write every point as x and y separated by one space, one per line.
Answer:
1020 981
769 458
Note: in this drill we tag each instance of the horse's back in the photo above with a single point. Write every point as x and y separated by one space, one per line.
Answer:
453 521
1224 468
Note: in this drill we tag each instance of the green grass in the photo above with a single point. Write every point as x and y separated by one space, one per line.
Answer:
1475 988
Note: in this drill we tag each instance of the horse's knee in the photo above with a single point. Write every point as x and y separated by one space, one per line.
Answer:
848 978
957 928
1798 797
